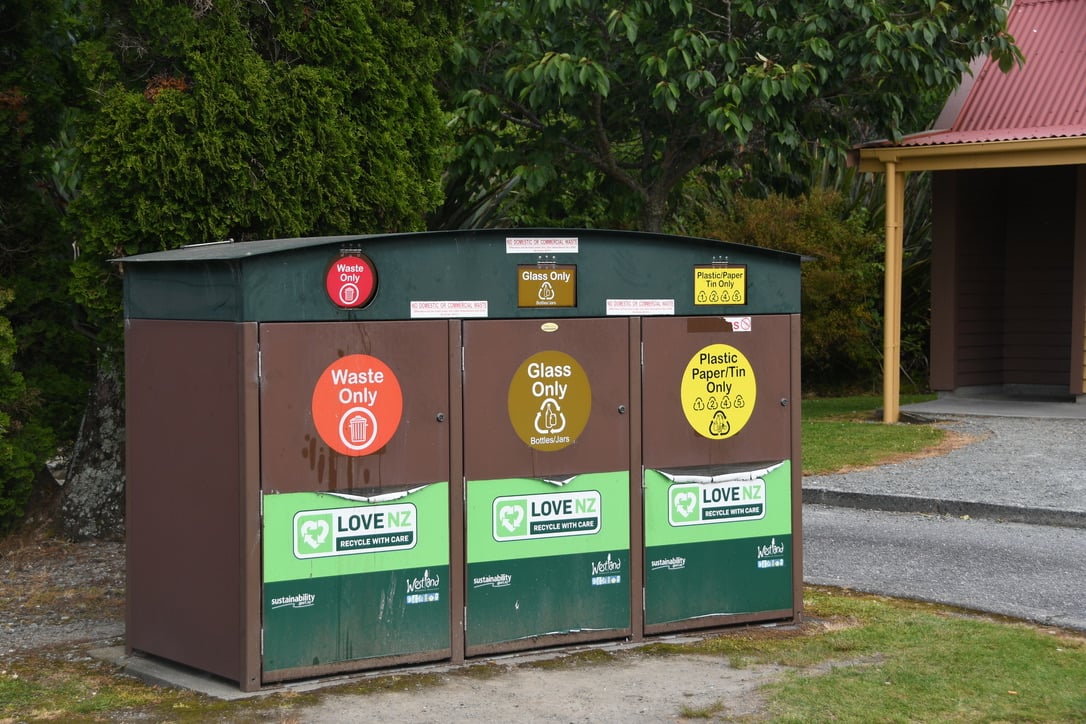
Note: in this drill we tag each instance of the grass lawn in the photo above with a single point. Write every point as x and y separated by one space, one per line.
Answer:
843 433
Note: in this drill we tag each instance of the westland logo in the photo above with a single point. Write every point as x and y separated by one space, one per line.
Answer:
773 549
547 515
301 600
425 583
771 555
677 563
608 566
605 573
728 502
424 589
345 531
499 580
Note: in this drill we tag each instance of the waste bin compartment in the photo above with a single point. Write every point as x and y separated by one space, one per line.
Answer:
547 468
192 495
721 467
355 461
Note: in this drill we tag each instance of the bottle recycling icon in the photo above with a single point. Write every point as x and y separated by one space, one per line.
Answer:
719 425
550 420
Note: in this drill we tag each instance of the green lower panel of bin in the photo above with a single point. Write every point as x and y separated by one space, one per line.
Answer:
348 577
721 578
547 558
510 600
329 620
717 542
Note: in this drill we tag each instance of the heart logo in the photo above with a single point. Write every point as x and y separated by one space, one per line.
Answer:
511 516
315 532
685 503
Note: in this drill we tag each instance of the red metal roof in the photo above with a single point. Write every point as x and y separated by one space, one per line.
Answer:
1045 98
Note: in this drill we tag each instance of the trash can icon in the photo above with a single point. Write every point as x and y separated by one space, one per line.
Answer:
358 426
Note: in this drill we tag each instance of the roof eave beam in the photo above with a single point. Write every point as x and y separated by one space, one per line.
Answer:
1001 154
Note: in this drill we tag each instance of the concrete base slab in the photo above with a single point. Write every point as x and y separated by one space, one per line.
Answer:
160 672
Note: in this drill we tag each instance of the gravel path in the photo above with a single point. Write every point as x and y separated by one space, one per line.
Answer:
59 593
1027 462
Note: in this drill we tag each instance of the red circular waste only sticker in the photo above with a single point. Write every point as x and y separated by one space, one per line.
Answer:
351 281
357 405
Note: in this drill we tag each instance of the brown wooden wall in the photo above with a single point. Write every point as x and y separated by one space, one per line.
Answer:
1002 280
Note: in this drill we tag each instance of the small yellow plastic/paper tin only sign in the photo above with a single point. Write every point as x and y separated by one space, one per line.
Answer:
720 284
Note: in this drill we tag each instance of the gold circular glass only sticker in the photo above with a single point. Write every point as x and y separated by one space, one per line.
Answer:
718 391
549 400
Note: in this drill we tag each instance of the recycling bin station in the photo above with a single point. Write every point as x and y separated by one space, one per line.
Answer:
367 451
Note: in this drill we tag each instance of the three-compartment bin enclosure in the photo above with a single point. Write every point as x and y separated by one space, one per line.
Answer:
346 453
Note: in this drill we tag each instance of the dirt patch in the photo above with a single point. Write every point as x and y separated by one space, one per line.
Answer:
630 687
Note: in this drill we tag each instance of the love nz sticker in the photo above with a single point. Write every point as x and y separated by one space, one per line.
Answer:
547 515
724 502
346 531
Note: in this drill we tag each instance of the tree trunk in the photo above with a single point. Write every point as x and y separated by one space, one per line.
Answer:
654 211
93 496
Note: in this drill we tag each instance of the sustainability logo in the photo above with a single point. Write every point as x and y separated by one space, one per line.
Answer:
497 580
675 563
299 600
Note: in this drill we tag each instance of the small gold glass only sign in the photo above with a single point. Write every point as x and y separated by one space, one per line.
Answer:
546 286
720 285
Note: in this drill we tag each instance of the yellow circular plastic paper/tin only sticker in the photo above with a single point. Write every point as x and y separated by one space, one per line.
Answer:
718 391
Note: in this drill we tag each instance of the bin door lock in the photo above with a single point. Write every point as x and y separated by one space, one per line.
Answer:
784 402
441 417
622 409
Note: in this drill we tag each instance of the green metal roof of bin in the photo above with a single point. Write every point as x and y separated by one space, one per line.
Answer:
453 274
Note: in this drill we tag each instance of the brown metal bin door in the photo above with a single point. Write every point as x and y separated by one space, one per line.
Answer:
294 358
497 351
672 347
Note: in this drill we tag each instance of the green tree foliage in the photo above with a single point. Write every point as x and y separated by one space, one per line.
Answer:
841 280
642 92
25 443
229 119
44 361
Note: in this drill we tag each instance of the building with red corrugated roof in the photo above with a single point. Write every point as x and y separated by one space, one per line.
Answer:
1008 156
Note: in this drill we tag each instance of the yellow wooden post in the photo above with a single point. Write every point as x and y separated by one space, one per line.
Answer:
891 372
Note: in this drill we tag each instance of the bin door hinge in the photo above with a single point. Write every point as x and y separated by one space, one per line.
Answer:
259 367
261 641
643 599
642 355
